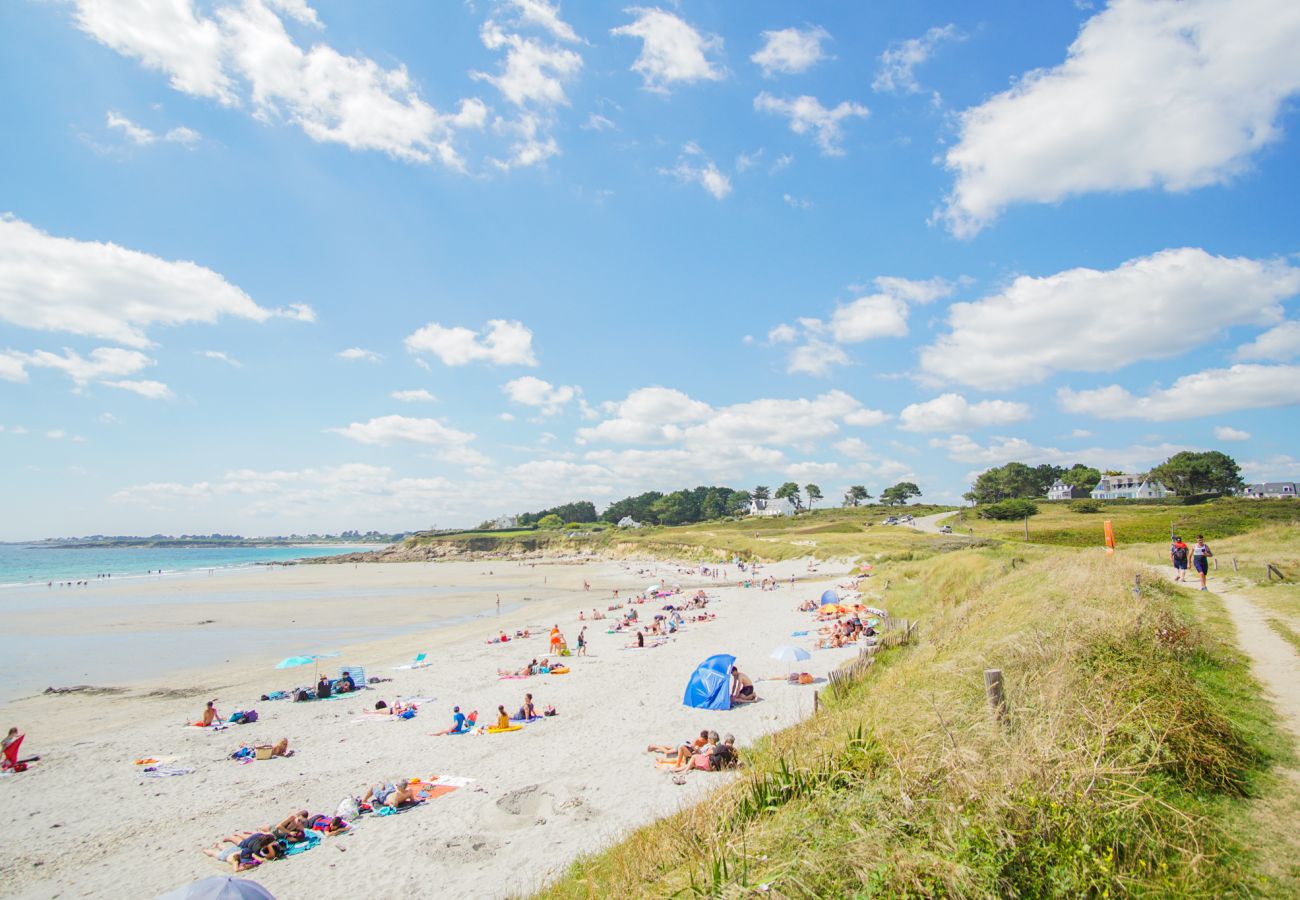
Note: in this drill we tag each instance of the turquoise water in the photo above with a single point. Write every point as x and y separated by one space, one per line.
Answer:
37 564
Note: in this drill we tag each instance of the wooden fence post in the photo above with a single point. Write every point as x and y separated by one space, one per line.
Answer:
1137 584
816 703
996 694
1234 564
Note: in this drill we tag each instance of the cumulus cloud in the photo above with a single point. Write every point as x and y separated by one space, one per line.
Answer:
1228 433
359 354
1151 94
452 444
1278 344
138 134
102 363
221 356
1001 450
500 343
671 50
1208 393
545 16
896 73
242 56
418 395
953 412
807 115
106 291
153 390
693 167
790 50
876 315
548 398
1093 321
532 143
532 72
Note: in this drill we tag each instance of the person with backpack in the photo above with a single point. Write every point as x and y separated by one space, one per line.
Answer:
1201 554
1178 553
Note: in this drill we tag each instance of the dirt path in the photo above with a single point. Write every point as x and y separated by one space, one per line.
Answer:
930 524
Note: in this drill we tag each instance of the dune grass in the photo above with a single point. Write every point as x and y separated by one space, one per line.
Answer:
1134 739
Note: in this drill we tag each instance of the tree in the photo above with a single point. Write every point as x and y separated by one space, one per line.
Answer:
760 493
900 493
1189 473
550 522
790 491
1008 510
855 495
677 508
1083 477
814 493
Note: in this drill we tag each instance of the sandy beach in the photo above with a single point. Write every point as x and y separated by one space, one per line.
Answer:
85 822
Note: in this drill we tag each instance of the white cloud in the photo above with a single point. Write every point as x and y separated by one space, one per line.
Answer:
56 434
298 312
359 354
138 134
1151 94
103 362
418 395
153 390
1228 433
1000 450
533 143
545 16
182 134
220 356
881 314
501 343
1208 393
671 50
952 412
790 50
897 64
782 334
452 444
1274 468
806 114
1277 344
597 122
1080 433
796 202
532 72
648 415
693 167
244 56
102 290
1094 321
531 391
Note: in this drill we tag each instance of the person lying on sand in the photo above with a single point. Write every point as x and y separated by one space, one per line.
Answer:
247 849
458 723
530 669
293 829
678 755
385 794
328 825
742 687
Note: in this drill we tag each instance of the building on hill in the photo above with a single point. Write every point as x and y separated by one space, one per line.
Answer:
782 506
628 522
501 523
1270 490
1062 491
1130 487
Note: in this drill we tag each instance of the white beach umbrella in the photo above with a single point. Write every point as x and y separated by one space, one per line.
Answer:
219 887
789 653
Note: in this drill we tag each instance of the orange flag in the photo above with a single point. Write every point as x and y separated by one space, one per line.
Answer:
1110 538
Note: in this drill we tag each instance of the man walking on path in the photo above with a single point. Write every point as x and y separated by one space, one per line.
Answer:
1178 553
1201 554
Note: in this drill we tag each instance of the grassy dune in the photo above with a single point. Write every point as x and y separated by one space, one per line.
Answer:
1135 740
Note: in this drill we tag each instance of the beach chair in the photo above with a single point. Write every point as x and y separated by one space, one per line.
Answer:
420 661
358 676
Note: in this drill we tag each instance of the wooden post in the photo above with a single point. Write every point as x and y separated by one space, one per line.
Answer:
816 703
1234 564
1137 584
993 688
1026 528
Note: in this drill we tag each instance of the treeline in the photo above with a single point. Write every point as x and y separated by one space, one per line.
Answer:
1016 480
678 508
578 511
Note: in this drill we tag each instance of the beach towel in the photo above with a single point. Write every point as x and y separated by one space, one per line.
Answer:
165 771
310 840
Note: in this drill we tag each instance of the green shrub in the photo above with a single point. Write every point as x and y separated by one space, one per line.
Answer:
1009 509
1085 506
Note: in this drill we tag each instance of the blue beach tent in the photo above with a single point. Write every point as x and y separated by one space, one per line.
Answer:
710 684
830 597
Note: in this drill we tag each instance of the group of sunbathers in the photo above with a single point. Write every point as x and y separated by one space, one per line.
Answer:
845 632
244 850
249 751
707 753
533 668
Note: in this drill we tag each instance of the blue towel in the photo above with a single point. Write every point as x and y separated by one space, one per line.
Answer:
798 634
302 846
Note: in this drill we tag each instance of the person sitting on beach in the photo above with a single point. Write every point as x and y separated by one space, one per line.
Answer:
458 723
742 690
293 829
9 738
640 638
679 753
247 849
503 717
345 685
702 757
210 716
528 711
323 688
281 748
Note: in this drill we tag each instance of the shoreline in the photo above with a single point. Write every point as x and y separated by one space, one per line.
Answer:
537 801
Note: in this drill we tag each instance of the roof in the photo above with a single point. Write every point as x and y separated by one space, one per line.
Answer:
1271 487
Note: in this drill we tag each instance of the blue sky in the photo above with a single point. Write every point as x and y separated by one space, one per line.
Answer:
271 265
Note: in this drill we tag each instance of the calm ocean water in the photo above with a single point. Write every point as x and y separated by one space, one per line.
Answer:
37 564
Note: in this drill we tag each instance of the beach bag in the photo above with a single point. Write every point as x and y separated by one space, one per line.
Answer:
250 716
302 696
348 808
236 718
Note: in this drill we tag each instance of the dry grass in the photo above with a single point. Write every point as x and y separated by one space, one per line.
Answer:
1134 734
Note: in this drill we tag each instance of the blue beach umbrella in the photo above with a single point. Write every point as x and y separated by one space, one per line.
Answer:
295 661
710 684
830 597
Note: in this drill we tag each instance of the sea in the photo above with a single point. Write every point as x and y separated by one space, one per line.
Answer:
39 564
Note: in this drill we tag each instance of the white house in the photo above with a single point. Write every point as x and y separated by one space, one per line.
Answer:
505 522
779 507
1130 487
628 522
1062 491
1270 490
